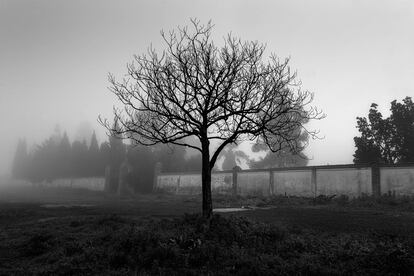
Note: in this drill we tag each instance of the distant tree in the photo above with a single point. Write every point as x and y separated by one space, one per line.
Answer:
56 157
282 158
36 168
143 161
402 118
193 163
104 156
56 135
172 157
94 168
80 160
227 94
192 158
44 164
233 157
117 153
83 131
21 161
367 151
65 156
386 140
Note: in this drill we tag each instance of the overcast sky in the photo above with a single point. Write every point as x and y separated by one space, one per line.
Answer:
55 57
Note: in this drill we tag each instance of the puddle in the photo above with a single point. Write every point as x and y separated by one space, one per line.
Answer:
226 210
47 219
243 208
65 205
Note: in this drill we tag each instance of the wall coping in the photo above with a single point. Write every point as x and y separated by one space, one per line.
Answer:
301 168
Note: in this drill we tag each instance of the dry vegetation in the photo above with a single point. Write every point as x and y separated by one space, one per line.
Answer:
151 235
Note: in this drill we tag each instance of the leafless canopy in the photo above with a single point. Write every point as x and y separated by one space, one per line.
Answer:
227 93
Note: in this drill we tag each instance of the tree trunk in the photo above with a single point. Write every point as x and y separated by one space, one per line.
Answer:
206 181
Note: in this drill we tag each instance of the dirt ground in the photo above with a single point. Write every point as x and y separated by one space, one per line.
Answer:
51 231
31 205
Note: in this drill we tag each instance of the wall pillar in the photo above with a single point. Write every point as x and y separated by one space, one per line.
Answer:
376 180
177 188
107 179
314 183
125 179
157 171
359 182
271 183
235 186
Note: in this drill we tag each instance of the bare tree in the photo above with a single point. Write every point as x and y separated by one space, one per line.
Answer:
225 94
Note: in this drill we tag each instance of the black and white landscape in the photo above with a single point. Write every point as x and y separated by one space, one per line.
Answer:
206 137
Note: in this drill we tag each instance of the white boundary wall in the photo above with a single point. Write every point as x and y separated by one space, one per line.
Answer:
90 183
351 180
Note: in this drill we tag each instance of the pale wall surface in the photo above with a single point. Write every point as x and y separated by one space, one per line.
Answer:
256 184
191 183
188 184
293 183
398 179
351 182
90 183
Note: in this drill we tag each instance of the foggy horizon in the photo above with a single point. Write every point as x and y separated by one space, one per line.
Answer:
56 56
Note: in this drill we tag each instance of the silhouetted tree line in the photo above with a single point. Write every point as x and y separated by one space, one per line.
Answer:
57 157
386 140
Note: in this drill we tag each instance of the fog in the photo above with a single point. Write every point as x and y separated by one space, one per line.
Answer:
55 57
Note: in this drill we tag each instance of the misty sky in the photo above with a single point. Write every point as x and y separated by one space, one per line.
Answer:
55 57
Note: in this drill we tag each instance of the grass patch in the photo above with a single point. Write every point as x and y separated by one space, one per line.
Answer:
132 236
115 245
399 203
